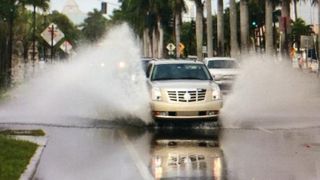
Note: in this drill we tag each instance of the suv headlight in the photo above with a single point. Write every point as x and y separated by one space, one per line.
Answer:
156 94
216 93
217 76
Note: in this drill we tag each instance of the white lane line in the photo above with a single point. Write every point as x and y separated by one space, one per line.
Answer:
143 170
265 130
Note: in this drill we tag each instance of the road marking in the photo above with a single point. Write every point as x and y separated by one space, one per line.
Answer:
143 170
265 130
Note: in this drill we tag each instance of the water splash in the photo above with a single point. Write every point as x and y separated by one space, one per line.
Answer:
271 94
103 81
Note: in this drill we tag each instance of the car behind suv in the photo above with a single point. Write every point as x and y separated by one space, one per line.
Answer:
182 89
223 69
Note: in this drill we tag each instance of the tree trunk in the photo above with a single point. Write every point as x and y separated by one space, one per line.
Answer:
269 28
295 9
220 30
199 28
149 42
34 34
160 46
318 30
244 23
145 43
177 32
209 29
154 43
233 29
285 20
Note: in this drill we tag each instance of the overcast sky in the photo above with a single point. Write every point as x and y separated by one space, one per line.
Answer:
85 5
308 13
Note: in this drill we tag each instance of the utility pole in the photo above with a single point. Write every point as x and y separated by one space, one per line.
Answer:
8 63
52 47
34 35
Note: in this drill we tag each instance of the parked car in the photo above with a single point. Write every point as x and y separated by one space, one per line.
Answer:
223 69
182 89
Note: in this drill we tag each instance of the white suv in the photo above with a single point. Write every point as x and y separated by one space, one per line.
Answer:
223 69
182 89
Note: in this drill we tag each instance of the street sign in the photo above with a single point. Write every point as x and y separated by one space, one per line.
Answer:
171 47
306 42
204 49
66 47
181 48
52 34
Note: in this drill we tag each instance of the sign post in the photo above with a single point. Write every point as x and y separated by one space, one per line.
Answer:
52 35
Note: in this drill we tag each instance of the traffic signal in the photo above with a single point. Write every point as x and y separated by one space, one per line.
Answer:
104 7
254 24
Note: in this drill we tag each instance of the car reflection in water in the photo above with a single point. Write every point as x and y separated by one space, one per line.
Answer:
186 154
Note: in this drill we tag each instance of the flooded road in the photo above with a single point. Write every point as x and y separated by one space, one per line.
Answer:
127 152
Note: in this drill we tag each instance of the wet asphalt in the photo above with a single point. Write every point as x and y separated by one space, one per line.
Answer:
113 151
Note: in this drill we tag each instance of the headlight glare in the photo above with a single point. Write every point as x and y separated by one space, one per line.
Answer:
216 93
156 94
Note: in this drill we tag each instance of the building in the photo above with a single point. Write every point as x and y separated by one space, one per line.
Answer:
72 11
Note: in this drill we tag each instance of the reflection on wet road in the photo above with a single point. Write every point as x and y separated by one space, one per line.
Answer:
115 151
186 154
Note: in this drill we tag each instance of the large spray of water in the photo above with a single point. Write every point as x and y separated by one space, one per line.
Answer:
271 94
103 81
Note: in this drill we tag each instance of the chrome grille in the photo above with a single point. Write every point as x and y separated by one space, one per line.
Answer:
187 95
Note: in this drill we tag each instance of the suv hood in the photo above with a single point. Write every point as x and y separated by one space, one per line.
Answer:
183 84
224 71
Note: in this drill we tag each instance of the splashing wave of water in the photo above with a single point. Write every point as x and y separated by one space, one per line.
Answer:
103 81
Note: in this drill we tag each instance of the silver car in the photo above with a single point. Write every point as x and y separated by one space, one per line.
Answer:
182 89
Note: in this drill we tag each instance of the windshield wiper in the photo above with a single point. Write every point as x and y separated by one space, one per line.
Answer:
192 78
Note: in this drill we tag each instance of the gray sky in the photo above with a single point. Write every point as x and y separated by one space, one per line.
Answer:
85 5
305 10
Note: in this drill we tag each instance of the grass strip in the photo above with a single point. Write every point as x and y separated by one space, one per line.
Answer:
14 157
36 132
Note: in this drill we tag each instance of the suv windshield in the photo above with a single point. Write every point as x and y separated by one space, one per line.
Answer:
222 64
180 71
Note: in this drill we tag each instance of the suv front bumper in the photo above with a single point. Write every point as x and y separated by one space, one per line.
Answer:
194 110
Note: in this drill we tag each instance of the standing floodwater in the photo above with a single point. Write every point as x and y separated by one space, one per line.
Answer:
103 81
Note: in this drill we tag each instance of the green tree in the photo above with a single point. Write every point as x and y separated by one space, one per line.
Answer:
300 28
44 5
94 26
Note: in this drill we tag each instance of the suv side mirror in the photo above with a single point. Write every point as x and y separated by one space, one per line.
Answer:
148 70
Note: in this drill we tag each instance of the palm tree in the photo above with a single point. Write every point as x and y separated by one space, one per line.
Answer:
42 4
233 29
244 26
209 29
269 29
300 28
199 28
138 14
178 7
220 26
285 24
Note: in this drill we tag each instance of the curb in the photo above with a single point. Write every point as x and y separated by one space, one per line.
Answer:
35 159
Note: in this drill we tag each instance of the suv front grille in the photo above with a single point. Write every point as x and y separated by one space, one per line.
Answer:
187 96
